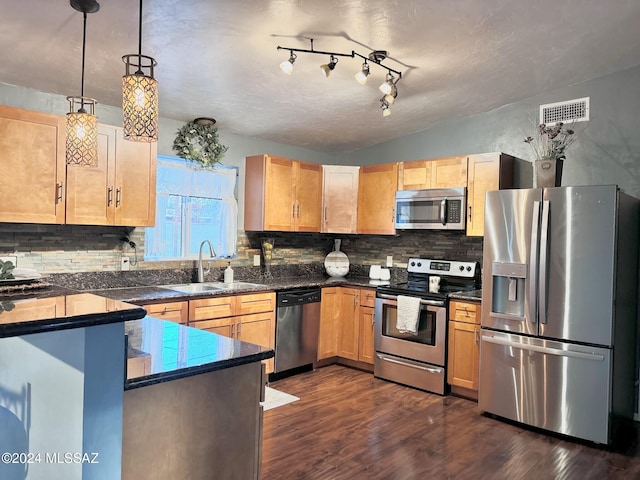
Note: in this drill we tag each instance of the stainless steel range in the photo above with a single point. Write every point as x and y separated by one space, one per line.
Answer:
417 357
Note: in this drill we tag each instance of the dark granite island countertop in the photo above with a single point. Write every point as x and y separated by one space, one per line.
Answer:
170 351
57 308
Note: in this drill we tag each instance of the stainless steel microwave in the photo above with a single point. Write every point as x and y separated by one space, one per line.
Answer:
434 209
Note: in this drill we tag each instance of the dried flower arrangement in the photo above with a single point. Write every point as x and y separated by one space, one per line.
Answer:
552 141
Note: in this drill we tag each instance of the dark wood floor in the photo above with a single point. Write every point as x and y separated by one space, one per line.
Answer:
350 425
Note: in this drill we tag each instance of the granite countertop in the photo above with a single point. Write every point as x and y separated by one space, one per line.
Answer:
157 294
473 295
176 351
56 308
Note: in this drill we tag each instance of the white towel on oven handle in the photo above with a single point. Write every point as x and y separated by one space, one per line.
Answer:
408 314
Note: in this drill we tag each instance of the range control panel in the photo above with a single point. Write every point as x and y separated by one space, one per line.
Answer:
442 267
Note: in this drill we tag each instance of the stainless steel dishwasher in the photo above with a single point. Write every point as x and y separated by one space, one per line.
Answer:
297 326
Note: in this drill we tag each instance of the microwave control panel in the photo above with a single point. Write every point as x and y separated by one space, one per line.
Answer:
453 211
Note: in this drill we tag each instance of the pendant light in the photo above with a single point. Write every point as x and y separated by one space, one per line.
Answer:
82 123
140 94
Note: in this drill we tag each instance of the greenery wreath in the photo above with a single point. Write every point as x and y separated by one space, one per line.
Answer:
199 143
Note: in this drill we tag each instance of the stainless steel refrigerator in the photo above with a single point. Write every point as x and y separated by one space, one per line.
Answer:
559 290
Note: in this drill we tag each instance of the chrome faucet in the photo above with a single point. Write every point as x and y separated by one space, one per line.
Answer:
201 273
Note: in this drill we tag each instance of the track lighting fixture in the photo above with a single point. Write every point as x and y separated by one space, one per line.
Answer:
388 88
361 76
328 67
140 95
82 124
287 65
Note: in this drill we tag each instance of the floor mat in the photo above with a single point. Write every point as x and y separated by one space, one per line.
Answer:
275 398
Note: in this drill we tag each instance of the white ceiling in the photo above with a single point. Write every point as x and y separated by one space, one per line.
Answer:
219 58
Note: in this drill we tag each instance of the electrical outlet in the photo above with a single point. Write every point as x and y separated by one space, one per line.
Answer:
256 260
124 263
389 260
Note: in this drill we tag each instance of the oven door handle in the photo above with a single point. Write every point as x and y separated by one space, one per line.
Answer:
437 371
436 303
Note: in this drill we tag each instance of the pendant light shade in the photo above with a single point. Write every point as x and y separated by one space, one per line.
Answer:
139 100
140 94
82 132
82 123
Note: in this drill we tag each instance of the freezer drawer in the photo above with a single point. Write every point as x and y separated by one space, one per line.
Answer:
556 386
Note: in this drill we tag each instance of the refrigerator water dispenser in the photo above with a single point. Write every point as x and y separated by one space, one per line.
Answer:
509 283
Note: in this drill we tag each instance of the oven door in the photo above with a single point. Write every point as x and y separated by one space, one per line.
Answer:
428 345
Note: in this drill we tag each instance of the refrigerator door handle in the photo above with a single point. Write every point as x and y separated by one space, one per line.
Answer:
533 261
546 350
544 236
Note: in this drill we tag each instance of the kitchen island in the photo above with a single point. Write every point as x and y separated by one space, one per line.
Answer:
67 409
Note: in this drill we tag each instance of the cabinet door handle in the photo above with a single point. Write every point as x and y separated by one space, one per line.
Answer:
109 196
59 192
118 196
475 334
469 212
239 329
298 210
293 210
325 215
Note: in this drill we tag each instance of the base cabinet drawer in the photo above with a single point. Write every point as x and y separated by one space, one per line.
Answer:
173 311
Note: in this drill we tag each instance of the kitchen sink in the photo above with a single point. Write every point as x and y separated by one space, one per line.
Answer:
210 286
192 287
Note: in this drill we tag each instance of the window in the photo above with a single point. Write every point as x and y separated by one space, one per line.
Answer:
192 205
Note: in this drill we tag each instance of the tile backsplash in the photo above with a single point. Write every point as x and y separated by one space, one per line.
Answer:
79 248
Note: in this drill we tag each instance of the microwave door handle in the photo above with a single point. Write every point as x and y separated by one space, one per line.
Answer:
443 211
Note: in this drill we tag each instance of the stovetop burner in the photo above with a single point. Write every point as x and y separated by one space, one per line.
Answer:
454 277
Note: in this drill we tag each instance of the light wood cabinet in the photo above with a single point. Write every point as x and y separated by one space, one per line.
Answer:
377 186
449 172
445 172
328 332
464 346
173 311
349 323
282 195
414 175
120 190
32 156
339 199
250 318
346 324
366 349
486 172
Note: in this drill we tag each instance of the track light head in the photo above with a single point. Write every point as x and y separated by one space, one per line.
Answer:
361 76
328 67
386 111
388 85
391 97
287 65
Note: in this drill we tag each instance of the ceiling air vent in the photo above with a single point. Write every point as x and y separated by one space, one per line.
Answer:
570 111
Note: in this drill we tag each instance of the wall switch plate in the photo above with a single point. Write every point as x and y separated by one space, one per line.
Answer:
124 263
389 260
256 260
